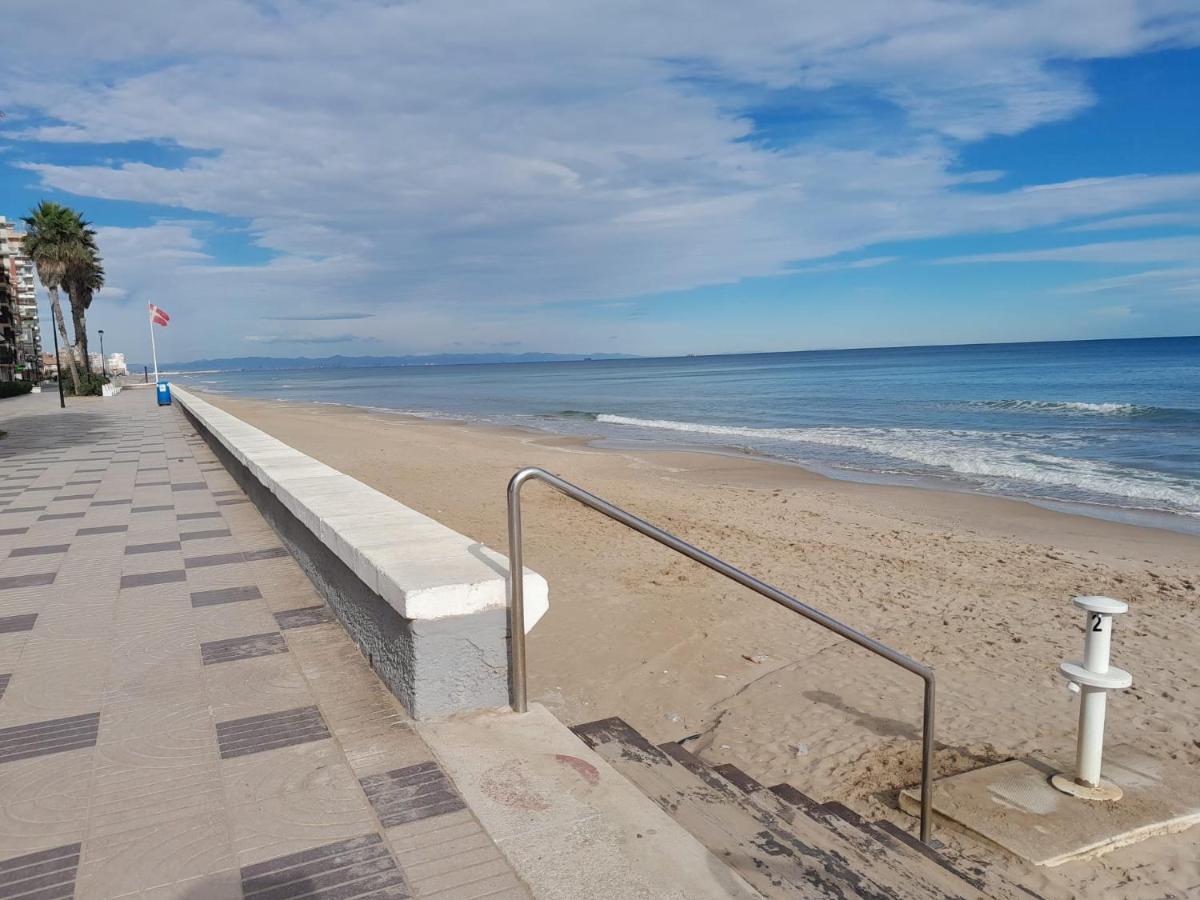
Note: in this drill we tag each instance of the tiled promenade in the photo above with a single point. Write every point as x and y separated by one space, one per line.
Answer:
179 717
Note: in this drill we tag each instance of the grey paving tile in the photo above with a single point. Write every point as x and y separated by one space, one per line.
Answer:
269 553
53 736
214 559
360 867
152 469
189 486
4 683
53 517
225 493
308 615
150 483
410 794
66 497
47 487
146 578
102 529
188 517
246 647
157 547
253 734
232 502
146 509
22 509
13 624
8 531
20 581
225 595
40 551
45 875
204 535
110 502
85 481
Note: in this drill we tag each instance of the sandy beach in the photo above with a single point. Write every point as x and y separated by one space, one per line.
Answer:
978 587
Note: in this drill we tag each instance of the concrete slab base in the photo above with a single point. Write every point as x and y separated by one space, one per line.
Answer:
566 819
1014 806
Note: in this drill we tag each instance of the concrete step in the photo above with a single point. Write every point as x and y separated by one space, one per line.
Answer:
888 863
755 843
897 839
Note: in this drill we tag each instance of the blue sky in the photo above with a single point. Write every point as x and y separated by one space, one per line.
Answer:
298 177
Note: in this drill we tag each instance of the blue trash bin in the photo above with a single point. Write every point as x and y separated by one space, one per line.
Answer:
164 393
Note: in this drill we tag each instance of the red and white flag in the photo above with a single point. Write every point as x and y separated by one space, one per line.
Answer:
158 316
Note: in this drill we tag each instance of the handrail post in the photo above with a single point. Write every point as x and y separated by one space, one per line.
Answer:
927 747
516 595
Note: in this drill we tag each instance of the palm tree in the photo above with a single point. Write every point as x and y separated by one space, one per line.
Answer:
84 276
54 242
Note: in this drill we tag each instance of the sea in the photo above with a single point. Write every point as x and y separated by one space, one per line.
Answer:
1109 427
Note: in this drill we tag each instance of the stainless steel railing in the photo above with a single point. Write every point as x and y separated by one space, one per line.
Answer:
516 609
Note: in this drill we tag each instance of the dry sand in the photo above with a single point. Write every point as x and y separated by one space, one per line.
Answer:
978 587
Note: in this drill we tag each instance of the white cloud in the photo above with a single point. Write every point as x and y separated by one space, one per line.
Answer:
1146 220
430 159
1155 250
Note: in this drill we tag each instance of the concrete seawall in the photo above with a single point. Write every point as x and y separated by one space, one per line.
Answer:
427 606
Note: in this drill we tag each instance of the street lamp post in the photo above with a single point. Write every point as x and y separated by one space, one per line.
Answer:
103 371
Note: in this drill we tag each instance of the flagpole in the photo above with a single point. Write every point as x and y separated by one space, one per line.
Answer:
153 348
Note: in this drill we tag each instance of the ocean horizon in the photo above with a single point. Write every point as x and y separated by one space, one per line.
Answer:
1105 427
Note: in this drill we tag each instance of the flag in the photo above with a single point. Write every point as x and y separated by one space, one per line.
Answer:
158 316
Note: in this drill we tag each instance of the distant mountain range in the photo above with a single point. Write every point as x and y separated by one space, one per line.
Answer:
261 363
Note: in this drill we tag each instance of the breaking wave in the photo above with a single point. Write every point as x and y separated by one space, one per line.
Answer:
1072 407
989 459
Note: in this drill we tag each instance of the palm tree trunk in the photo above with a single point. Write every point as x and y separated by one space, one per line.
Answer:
56 308
79 319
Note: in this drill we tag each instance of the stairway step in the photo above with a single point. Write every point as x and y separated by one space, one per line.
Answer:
896 869
757 846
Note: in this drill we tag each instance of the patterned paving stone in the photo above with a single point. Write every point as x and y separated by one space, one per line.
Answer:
254 734
361 867
22 509
204 535
53 736
148 509
412 793
225 595
111 502
451 857
101 529
150 483
145 578
40 551
299 618
52 517
189 486
13 624
248 647
188 517
66 497
232 502
4 683
8 531
157 547
46 875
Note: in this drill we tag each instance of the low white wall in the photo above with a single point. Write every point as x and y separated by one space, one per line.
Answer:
423 569
444 649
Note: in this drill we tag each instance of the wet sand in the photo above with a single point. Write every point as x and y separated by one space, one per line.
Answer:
978 587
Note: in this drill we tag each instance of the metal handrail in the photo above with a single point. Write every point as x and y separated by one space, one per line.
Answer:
516 609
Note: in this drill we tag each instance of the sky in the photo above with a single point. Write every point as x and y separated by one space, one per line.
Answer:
315 177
